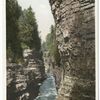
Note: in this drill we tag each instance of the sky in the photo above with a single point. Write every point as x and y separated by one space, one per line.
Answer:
43 14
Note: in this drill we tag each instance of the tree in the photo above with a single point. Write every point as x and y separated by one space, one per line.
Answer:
29 34
13 11
51 45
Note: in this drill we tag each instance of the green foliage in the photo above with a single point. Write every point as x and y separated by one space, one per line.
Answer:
13 11
51 39
29 35
21 30
44 48
51 45
56 54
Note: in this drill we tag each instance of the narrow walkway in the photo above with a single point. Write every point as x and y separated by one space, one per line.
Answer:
48 89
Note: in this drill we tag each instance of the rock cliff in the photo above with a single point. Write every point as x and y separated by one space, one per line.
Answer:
75 35
23 80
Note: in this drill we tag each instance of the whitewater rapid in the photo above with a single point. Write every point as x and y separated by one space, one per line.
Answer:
48 89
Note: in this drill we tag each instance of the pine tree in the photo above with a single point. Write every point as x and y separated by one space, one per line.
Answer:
13 11
29 34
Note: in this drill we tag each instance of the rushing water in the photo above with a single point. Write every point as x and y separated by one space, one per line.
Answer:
48 89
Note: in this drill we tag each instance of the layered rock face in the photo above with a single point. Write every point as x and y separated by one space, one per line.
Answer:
23 81
75 34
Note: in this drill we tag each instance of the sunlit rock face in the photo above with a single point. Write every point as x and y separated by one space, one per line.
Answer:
75 34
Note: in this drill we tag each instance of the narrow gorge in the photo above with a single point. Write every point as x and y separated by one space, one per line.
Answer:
39 76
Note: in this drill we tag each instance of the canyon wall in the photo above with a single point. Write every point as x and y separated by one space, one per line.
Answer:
24 80
75 35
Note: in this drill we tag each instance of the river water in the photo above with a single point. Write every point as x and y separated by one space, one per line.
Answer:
48 89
